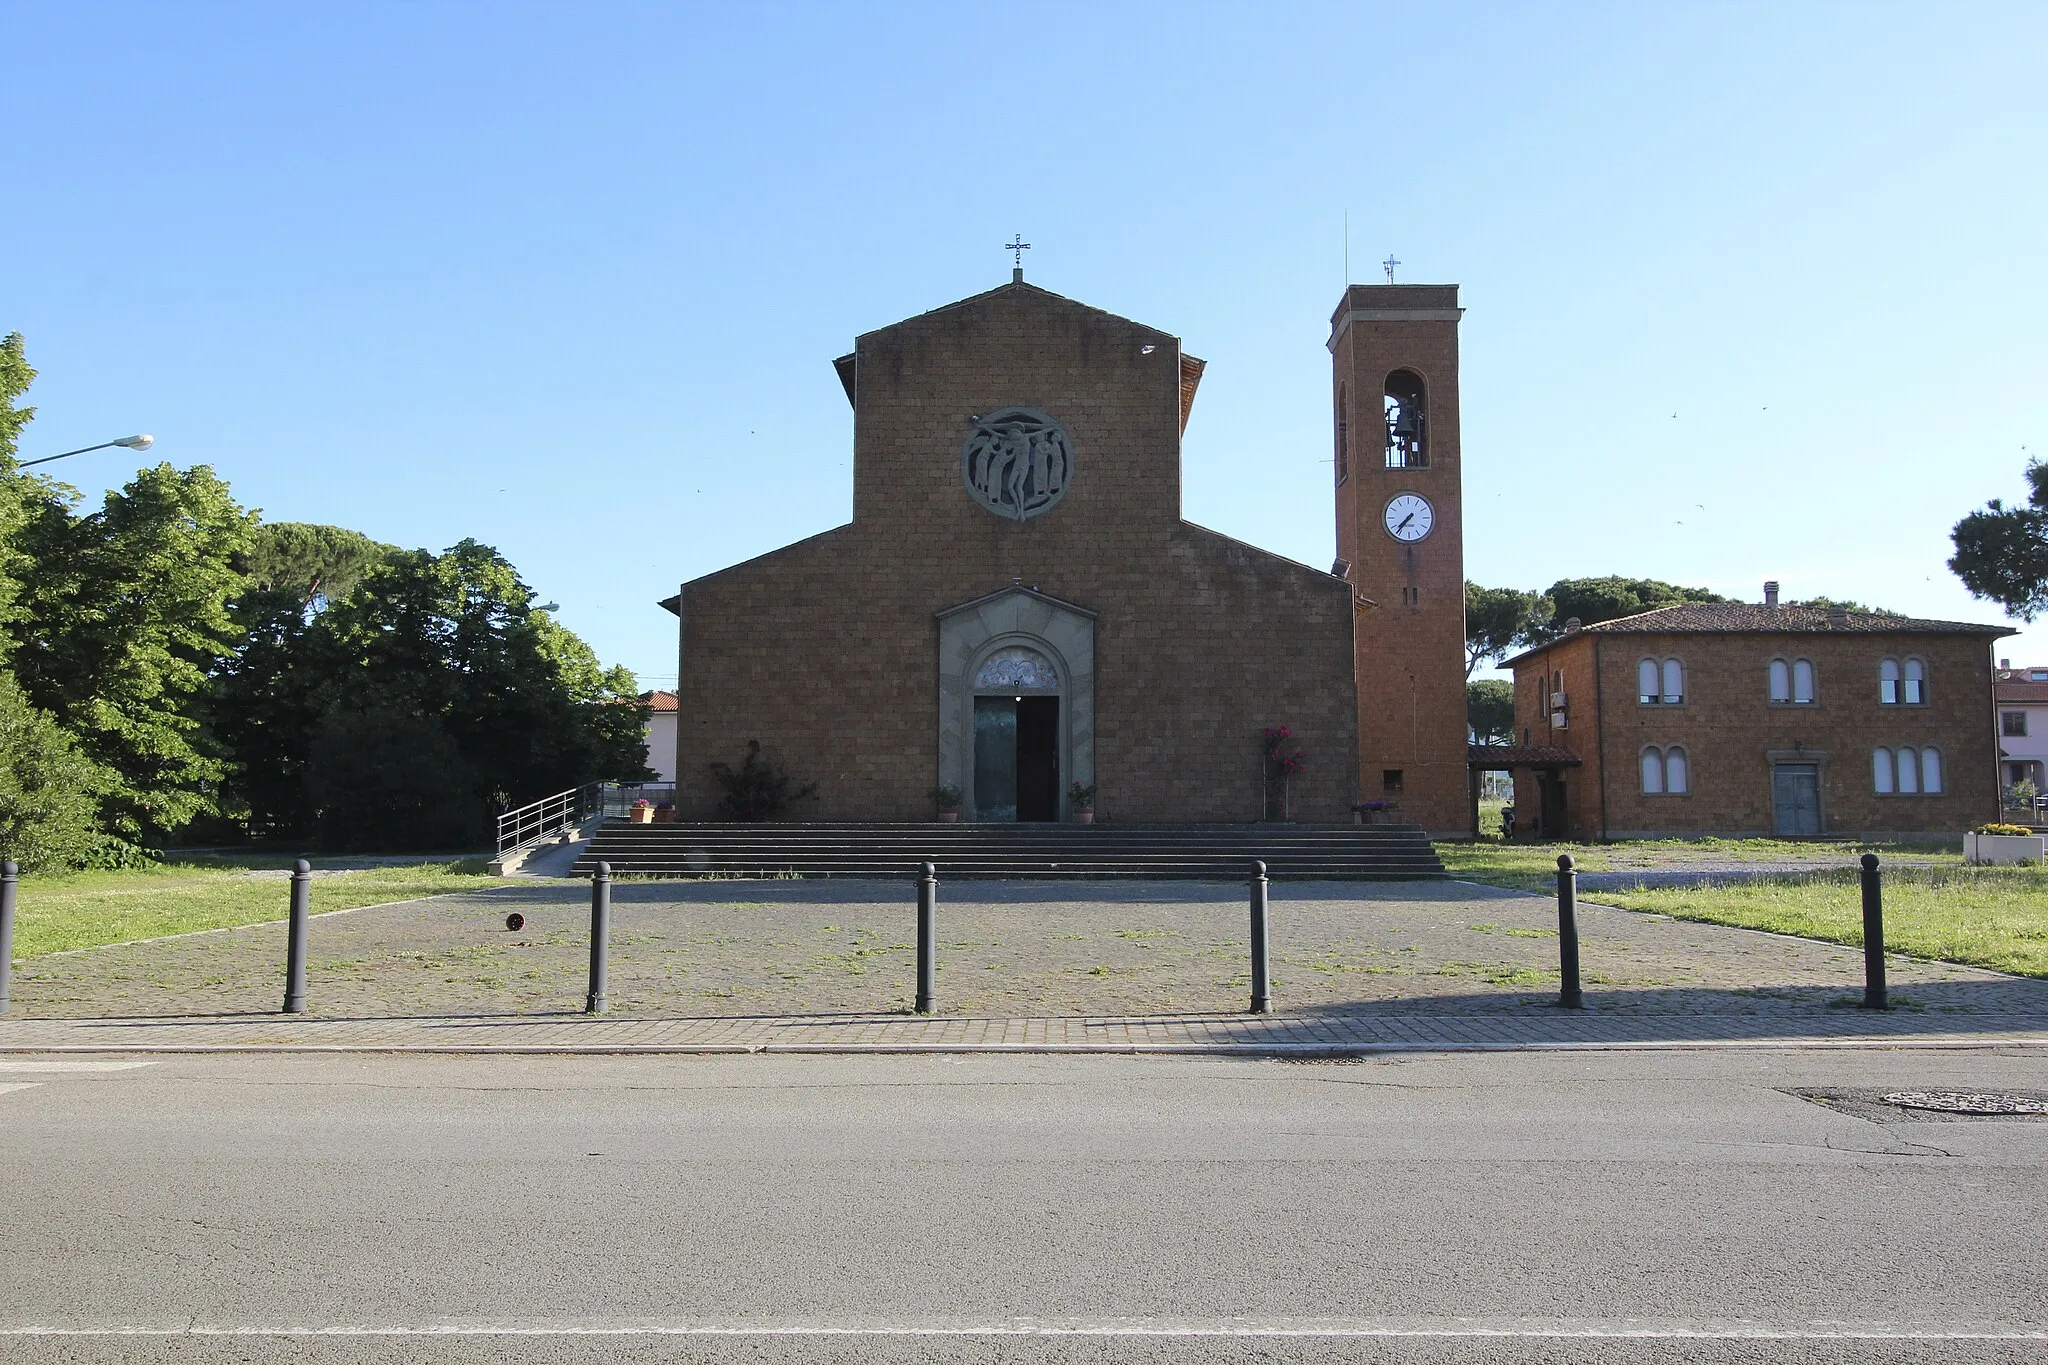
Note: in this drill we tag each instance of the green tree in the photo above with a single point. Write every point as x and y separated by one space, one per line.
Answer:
2002 552
264 703
1593 600
1490 710
1842 604
386 779
18 492
316 564
122 620
1499 620
49 791
454 638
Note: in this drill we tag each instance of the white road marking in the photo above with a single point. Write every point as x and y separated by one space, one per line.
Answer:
1629 1329
19 1085
9 1065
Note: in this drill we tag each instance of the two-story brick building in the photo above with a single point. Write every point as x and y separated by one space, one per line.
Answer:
1741 719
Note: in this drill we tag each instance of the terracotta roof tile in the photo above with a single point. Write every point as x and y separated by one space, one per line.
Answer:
662 701
1751 618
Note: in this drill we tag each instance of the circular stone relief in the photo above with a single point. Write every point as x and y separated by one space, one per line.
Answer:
1017 461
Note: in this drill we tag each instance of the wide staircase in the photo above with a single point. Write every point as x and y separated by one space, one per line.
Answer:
1189 852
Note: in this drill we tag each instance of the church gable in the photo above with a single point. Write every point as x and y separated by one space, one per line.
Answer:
1024 388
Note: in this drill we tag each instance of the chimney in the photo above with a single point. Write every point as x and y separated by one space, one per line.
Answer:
1771 592
2005 665
1837 617
1571 624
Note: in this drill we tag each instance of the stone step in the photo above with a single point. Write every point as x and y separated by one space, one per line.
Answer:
1201 852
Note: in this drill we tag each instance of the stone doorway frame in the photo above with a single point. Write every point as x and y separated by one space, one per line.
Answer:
969 633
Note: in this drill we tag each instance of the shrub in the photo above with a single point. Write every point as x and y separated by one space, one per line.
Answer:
50 793
1997 828
758 789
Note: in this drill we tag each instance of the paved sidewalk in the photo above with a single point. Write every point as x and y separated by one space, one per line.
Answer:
1211 1034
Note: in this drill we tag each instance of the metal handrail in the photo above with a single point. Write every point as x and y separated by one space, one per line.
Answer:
551 814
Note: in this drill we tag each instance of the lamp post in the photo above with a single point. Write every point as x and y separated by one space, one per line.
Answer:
132 442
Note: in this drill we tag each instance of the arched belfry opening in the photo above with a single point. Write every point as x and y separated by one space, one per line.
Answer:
1407 409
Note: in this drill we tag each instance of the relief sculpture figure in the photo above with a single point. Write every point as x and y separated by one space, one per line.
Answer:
1017 461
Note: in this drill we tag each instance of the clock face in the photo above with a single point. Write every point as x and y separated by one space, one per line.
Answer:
1409 517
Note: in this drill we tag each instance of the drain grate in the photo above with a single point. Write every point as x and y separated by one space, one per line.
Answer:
1965 1102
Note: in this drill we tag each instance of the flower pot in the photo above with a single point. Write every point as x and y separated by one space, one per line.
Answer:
949 817
663 816
2002 848
641 815
1084 817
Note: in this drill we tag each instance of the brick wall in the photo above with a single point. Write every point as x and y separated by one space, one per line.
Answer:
827 650
1410 645
1730 730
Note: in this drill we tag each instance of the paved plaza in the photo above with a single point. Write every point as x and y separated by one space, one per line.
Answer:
768 965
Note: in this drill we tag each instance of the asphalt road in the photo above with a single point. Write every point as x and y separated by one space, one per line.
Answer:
1553 1207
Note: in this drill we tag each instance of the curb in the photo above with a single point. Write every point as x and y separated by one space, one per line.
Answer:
1255 1051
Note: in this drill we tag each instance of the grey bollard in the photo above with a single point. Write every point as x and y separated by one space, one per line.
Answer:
927 948
1568 995
599 1001
1873 937
295 946
10 884
1262 995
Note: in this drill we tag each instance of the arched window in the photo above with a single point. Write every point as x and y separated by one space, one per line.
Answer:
1674 683
1909 771
1407 412
1915 692
1802 682
1930 770
1343 432
1646 682
1666 772
1888 682
1881 772
1017 669
1781 681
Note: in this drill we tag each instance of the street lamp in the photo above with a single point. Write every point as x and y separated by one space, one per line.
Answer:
132 442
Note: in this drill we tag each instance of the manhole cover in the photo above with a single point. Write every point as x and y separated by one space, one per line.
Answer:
1965 1102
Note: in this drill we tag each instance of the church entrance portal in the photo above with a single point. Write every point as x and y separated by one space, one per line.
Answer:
1017 758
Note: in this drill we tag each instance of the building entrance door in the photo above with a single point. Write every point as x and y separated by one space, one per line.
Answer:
1795 797
1016 758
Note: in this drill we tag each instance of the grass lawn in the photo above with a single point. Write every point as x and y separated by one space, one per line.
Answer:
1934 906
1993 917
89 909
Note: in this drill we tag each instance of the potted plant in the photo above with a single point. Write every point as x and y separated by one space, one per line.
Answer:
947 799
1375 812
642 812
2002 843
1082 799
665 813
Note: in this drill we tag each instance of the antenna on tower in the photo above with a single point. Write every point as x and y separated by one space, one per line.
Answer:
1388 266
1347 248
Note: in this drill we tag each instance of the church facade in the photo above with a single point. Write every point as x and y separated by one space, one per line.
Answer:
1018 608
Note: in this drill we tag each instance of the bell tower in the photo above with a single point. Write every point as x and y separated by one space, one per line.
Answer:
1400 531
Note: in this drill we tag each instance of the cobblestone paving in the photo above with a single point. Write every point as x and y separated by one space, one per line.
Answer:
753 950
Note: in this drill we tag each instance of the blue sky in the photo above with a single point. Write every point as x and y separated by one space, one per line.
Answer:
1752 291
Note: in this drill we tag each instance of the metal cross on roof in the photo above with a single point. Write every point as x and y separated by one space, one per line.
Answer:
1388 265
1017 246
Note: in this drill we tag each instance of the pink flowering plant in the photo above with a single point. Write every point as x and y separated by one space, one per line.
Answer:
1283 762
